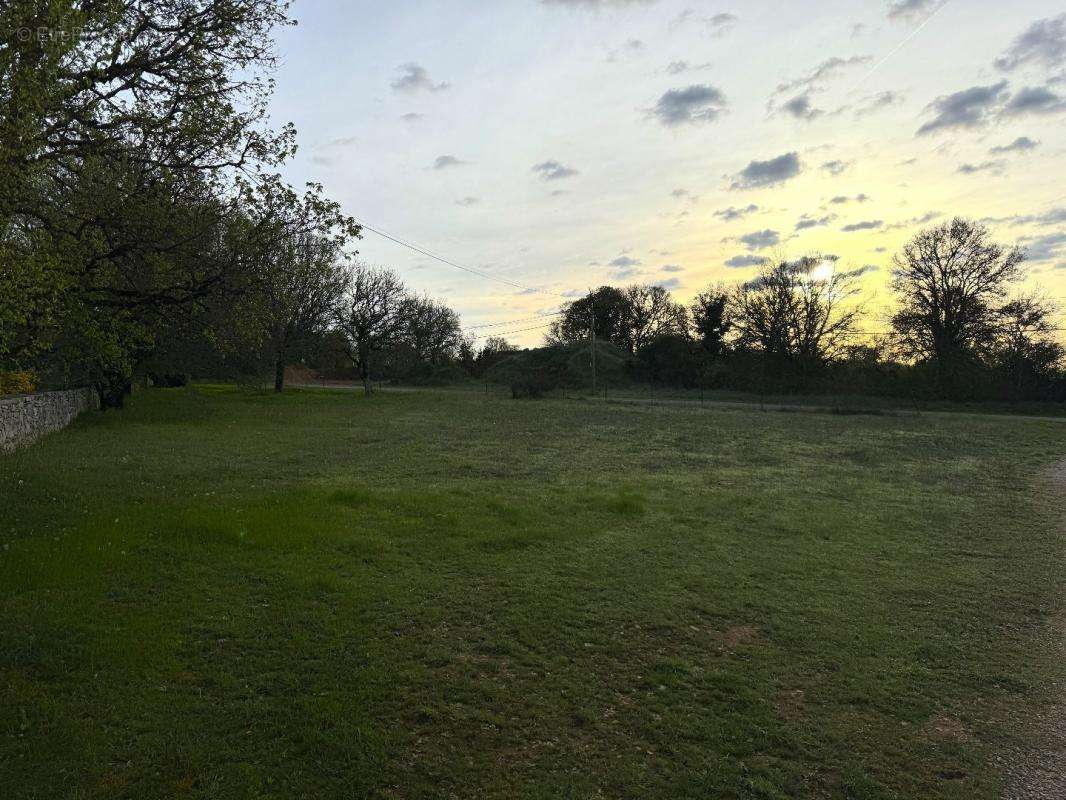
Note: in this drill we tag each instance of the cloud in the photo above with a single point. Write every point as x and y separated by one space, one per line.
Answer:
670 283
969 108
740 262
995 167
596 4
415 78
865 269
685 194
720 24
760 240
680 67
1043 42
868 225
628 48
342 141
768 173
443 162
841 199
824 72
909 9
697 103
731 213
908 223
717 24
877 102
1034 100
624 261
1045 248
835 168
467 201
322 159
800 107
807 221
411 116
1020 145
554 171
671 268
1055 216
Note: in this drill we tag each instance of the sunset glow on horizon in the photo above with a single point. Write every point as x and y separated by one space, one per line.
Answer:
566 144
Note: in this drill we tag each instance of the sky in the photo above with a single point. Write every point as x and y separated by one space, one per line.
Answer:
559 145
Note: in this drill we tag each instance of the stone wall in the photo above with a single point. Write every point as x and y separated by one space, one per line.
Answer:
25 417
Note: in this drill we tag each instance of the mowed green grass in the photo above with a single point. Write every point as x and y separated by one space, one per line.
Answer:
235 595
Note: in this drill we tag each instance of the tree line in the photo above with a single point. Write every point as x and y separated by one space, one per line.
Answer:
143 226
957 328
144 231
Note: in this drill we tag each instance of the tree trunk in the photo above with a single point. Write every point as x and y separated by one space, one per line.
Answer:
113 392
279 375
364 372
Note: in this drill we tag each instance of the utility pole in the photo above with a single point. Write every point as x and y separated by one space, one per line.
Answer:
592 327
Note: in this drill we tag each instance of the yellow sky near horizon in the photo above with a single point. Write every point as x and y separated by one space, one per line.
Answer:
563 144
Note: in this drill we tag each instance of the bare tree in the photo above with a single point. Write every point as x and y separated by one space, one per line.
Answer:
951 282
371 316
796 310
495 345
651 312
1025 352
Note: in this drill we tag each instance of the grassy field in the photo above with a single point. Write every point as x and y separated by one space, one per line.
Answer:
234 595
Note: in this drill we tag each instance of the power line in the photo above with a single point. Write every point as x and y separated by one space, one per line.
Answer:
520 330
450 263
513 321
525 288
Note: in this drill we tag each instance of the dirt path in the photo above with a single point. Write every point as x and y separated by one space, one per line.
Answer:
1039 773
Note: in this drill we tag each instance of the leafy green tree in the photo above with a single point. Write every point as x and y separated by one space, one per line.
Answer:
431 330
114 252
607 308
710 314
121 124
294 273
629 318
371 317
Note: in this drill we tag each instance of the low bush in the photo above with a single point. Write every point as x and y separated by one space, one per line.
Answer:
535 373
17 382
169 380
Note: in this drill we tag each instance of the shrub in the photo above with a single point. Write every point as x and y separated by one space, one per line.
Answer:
17 382
670 359
534 373
534 385
168 380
